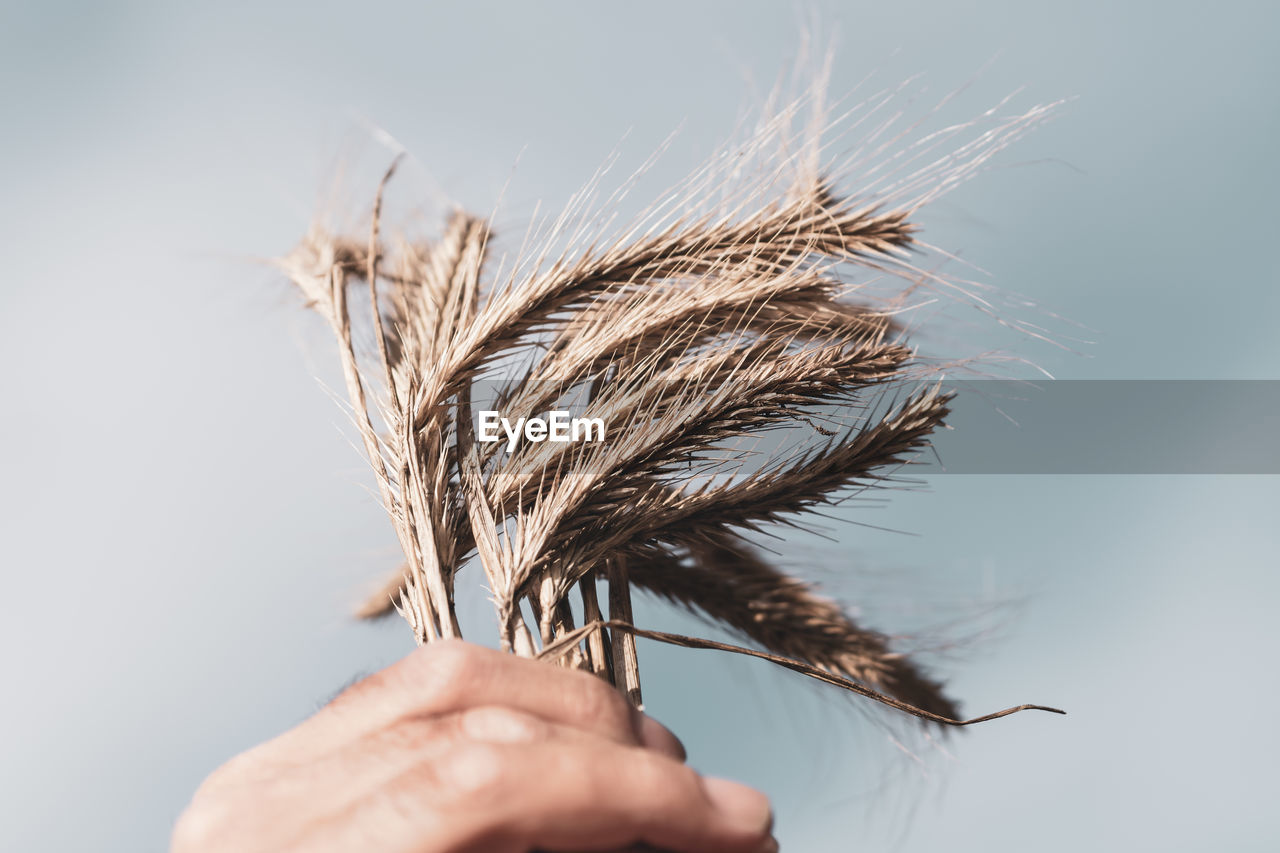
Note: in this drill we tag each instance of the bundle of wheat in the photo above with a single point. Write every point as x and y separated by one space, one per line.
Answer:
727 312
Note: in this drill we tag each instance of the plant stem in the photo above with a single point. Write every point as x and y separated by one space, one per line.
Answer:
599 655
625 662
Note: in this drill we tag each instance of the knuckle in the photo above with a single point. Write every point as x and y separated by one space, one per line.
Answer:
497 724
444 669
473 772
448 653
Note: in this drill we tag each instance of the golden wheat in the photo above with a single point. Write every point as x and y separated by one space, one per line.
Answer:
737 308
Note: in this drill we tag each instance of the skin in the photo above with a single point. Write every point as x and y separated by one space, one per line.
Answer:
461 749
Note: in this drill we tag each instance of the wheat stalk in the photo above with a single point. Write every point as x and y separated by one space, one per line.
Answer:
740 306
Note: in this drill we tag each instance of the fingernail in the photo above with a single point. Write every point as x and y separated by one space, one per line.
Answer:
744 807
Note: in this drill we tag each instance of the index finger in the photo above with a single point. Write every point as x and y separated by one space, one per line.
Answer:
449 676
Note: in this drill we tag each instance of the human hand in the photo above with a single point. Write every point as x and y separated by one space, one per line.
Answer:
462 749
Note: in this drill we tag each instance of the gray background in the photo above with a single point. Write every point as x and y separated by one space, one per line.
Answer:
185 524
